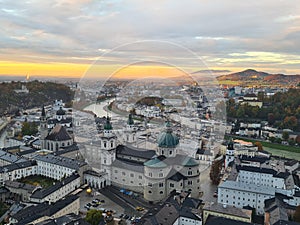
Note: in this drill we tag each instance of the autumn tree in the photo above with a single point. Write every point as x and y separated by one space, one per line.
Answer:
297 214
215 171
259 145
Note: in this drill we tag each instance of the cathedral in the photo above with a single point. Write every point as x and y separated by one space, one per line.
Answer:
154 173
56 136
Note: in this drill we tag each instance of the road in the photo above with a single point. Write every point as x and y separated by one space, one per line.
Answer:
207 187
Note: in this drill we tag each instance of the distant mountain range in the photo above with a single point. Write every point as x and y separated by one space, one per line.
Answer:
251 76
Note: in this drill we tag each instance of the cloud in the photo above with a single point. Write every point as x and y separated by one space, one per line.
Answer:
75 30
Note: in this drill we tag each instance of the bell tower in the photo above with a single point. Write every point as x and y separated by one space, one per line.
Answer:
130 130
43 128
108 144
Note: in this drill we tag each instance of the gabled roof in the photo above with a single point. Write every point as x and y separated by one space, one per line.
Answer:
42 193
31 213
177 176
136 152
58 133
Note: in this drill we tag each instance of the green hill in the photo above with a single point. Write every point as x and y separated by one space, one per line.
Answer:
40 93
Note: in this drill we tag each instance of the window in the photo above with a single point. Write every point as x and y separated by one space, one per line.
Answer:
171 185
149 184
131 175
190 173
161 184
161 175
140 177
150 174
123 173
161 192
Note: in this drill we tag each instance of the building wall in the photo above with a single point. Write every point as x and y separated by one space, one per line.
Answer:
261 179
59 193
207 213
187 221
128 179
53 170
240 198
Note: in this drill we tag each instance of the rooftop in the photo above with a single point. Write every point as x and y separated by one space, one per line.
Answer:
61 161
58 133
42 193
31 213
234 185
229 210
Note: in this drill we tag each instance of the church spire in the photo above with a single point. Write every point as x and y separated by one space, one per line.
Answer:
107 125
130 120
43 111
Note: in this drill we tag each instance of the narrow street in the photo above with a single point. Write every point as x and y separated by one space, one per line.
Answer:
207 187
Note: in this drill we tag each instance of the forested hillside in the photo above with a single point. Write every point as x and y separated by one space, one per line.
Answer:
40 93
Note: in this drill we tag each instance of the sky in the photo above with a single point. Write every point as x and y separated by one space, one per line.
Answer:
74 37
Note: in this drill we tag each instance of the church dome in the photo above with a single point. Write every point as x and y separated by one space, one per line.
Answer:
60 112
167 139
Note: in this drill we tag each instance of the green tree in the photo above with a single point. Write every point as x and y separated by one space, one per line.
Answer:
93 216
240 113
285 135
29 128
291 142
272 139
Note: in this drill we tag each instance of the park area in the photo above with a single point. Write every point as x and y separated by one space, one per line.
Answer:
38 180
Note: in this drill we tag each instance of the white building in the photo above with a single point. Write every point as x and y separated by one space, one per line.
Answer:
58 191
240 194
57 167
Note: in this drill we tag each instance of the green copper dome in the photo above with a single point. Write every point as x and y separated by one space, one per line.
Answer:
167 139
155 163
189 162
107 125
130 120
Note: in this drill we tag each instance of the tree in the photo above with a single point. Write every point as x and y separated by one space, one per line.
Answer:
297 214
271 118
215 171
285 135
29 128
272 139
290 122
259 145
291 142
93 216
298 139
240 113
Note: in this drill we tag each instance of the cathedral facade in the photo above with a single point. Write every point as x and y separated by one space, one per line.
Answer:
154 173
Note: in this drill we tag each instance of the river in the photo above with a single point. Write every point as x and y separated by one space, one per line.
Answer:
99 110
